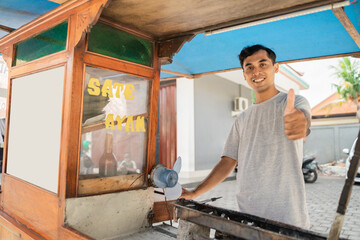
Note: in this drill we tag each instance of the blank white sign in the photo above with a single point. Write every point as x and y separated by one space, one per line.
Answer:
35 128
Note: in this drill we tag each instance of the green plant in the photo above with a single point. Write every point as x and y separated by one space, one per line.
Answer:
348 73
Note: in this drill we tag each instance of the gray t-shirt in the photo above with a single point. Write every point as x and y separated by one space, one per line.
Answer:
269 178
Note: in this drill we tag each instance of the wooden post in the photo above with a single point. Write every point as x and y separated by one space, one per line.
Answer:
345 194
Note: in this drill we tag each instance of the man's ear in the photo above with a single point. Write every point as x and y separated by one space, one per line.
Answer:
276 65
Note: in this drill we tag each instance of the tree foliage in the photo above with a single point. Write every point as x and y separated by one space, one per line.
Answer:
348 74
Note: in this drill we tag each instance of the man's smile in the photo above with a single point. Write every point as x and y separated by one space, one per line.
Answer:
258 79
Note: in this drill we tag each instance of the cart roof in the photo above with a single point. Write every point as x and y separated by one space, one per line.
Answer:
166 19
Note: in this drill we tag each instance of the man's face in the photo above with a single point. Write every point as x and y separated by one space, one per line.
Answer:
259 71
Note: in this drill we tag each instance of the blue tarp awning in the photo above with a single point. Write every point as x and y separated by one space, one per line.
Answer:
309 36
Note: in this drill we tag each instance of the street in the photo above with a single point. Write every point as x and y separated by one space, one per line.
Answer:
322 201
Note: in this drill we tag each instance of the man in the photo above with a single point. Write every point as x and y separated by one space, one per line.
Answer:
127 166
266 143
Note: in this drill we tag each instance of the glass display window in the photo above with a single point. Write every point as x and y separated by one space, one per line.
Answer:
114 125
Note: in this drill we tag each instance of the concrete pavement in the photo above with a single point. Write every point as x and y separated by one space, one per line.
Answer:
322 201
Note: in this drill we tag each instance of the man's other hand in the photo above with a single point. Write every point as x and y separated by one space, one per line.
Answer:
294 119
190 195
222 169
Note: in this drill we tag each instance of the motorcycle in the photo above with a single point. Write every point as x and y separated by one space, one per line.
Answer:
309 169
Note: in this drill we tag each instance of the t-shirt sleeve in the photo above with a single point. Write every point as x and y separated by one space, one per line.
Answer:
232 143
303 105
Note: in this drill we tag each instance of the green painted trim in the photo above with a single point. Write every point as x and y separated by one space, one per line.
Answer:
112 42
48 42
303 83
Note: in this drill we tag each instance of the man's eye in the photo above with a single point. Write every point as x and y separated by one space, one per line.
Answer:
263 65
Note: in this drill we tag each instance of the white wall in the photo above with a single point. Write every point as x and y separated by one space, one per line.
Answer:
214 102
185 123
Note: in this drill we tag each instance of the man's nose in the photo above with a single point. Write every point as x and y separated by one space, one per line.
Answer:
256 71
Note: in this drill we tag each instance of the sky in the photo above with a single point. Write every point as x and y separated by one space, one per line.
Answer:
319 76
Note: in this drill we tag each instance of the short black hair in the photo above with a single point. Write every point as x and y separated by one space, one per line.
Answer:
250 50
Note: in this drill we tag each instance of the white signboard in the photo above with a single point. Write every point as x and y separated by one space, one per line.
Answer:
35 128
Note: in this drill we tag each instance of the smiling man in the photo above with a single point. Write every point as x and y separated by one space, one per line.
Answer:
266 144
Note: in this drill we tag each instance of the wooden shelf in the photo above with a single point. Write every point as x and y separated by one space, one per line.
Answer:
96 186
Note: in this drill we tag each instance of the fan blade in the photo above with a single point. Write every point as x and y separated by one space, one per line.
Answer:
173 193
177 165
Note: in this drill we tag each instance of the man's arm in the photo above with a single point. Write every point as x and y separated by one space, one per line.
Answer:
224 167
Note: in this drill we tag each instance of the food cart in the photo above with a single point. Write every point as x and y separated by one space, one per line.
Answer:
82 111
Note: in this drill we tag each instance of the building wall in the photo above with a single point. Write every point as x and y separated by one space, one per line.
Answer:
334 121
185 124
204 117
213 101
327 142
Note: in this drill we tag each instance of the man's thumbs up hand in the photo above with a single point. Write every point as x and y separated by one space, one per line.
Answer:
290 102
294 119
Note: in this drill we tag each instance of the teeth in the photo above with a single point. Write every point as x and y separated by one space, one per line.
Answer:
258 80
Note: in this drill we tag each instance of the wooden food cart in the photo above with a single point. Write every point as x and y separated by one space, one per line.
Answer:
82 111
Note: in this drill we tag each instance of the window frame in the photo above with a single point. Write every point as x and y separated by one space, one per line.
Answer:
95 186
120 183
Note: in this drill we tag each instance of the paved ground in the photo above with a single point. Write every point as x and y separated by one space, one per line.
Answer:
322 200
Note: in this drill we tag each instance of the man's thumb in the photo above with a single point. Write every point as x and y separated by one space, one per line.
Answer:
290 101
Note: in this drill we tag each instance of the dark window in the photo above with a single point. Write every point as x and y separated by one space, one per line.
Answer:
48 42
109 41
